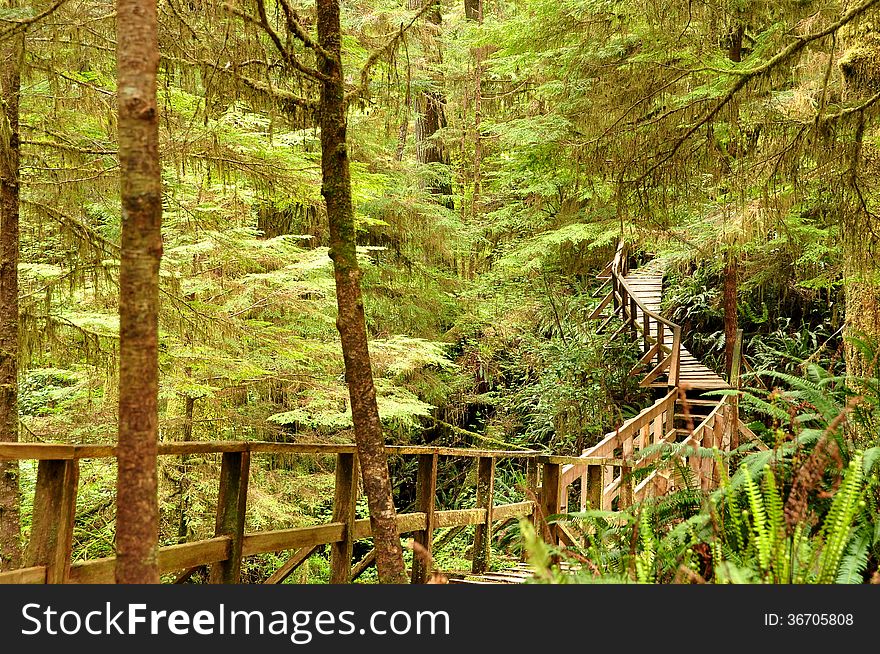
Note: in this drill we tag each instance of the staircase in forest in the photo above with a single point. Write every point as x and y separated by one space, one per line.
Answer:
602 477
684 416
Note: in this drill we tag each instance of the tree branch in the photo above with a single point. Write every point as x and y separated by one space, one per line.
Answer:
745 76
19 24
361 91
295 26
286 99
286 54
851 110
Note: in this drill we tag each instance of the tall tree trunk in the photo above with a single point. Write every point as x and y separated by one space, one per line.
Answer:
731 320
861 272
736 42
429 108
11 51
473 9
336 189
137 512
862 318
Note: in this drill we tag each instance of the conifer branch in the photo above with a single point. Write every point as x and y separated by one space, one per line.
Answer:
295 26
745 76
263 23
20 24
851 110
361 91
287 100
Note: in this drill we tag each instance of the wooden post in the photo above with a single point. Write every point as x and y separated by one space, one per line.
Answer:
583 499
675 359
231 510
646 332
659 428
645 433
532 475
615 292
633 315
721 441
51 539
344 504
625 490
563 497
606 498
550 486
595 486
661 334
426 489
532 472
485 500
707 471
733 423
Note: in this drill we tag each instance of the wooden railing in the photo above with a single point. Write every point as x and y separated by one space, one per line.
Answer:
625 449
650 427
653 327
719 430
49 550
605 472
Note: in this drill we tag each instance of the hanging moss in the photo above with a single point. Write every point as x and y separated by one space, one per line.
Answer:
860 66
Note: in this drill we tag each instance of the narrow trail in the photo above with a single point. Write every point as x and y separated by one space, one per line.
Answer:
687 416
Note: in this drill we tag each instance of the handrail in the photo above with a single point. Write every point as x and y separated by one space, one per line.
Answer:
17 451
704 467
645 310
48 557
629 304
654 424
604 470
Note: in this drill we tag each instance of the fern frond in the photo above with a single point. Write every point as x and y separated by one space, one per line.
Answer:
836 529
760 525
855 562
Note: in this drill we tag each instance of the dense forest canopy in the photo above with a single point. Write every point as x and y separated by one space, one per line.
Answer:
443 181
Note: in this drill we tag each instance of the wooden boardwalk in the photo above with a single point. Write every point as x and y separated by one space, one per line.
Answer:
646 285
681 417
600 478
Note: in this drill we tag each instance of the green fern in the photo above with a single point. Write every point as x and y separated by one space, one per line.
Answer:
838 522
645 573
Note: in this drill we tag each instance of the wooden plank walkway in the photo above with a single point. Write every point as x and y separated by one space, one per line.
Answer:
646 284
521 573
636 297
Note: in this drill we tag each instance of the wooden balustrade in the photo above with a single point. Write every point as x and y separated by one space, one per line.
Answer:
653 327
718 430
48 555
605 474
650 427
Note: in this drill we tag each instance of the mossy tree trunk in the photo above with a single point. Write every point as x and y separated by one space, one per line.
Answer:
336 189
473 9
862 287
137 515
11 51
860 68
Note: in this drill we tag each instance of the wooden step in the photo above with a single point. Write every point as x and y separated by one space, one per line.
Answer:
696 402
